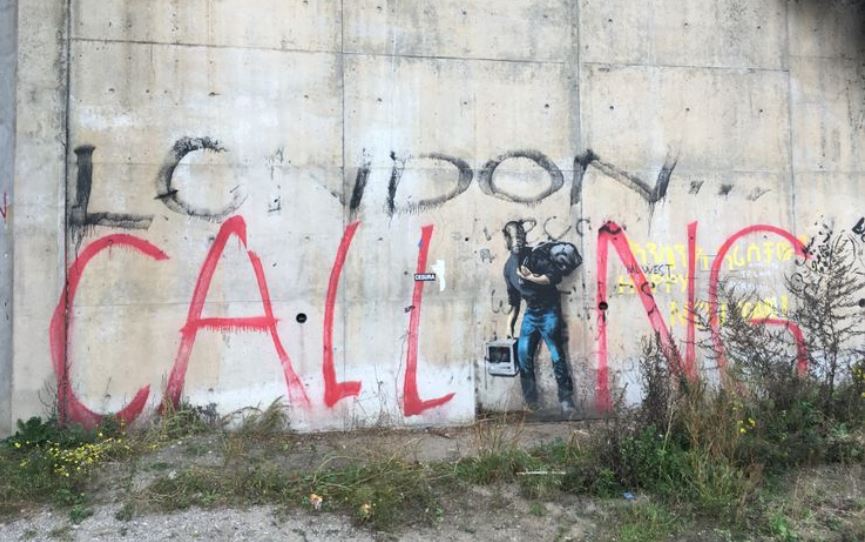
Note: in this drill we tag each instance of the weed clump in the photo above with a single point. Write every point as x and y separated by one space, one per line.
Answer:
790 393
46 463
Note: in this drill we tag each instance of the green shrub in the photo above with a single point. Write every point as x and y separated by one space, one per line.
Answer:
45 462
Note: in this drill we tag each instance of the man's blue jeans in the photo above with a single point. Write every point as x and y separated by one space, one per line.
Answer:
543 323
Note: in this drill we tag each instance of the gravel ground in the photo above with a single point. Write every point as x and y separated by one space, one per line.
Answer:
263 523
257 523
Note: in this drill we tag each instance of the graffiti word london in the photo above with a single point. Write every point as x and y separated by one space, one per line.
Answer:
81 217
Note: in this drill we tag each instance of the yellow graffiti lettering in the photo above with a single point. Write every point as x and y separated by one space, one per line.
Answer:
734 259
753 254
768 250
638 251
682 253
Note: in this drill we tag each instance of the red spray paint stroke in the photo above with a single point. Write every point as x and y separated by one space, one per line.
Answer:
690 345
335 391
69 407
412 403
611 233
798 337
265 323
714 322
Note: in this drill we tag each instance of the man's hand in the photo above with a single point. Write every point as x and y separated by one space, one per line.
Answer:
525 274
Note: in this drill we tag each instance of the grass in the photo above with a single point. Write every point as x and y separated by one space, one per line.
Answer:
645 522
382 493
391 492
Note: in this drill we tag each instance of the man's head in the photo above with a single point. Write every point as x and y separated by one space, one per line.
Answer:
515 236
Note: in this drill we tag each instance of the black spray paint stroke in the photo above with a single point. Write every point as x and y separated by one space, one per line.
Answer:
275 206
80 218
578 226
485 179
758 193
486 256
549 235
500 309
464 180
612 229
651 194
695 187
581 165
466 174
170 196
725 189
359 188
393 184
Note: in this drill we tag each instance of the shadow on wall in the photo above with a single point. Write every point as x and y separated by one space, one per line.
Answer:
852 12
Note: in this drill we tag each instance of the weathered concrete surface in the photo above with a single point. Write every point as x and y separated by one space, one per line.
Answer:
8 52
323 124
38 210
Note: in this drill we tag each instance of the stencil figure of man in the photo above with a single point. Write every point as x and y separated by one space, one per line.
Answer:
542 319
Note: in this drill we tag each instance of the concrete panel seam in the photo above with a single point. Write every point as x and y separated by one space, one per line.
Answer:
320 51
790 145
688 67
204 45
460 58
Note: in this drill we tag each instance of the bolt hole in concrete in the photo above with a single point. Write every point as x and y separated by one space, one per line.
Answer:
603 305
301 318
862 303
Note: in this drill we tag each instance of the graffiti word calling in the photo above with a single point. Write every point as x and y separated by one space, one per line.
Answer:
72 409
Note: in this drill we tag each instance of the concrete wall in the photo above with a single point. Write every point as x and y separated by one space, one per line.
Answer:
38 208
8 51
250 187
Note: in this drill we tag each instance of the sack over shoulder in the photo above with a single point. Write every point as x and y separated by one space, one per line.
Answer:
561 255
